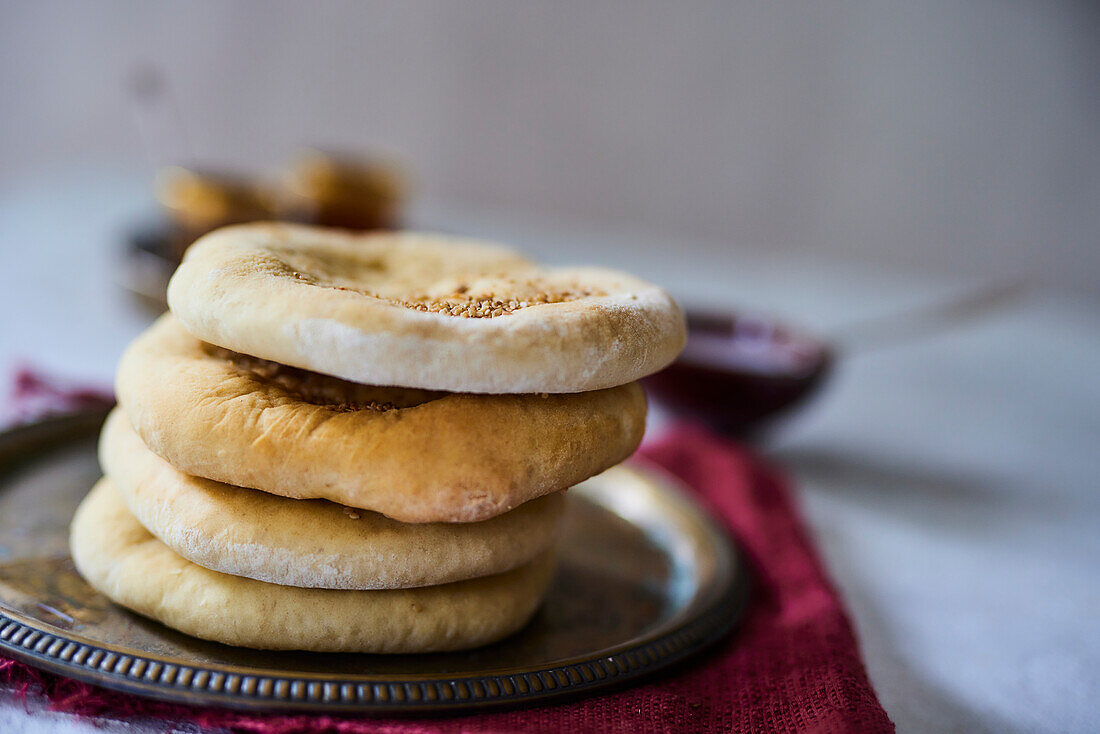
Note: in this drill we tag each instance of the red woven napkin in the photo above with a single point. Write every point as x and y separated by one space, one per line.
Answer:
34 395
793 665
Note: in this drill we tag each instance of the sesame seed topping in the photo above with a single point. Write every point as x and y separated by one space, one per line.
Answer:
465 300
483 307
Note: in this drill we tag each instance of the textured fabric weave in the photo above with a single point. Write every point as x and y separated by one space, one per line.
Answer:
793 664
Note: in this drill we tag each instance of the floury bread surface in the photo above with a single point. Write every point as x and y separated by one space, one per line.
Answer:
121 559
308 379
412 455
312 543
423 311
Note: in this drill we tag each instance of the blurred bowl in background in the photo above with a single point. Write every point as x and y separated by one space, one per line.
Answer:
331 190
739 373
196 201
340 190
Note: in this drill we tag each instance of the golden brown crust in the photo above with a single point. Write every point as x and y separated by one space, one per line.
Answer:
453 458
119 558
422 311
312 543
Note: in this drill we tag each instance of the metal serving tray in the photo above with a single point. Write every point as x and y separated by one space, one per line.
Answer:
646 578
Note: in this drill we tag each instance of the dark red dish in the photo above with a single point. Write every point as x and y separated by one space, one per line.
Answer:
738 372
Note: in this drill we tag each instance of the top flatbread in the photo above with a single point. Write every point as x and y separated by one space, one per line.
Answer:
422 311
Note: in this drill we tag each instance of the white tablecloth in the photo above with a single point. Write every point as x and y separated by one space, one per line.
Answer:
950 480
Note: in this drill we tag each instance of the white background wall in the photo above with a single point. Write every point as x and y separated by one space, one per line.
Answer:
931 133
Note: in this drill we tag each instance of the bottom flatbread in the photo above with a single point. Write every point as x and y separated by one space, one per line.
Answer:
122 560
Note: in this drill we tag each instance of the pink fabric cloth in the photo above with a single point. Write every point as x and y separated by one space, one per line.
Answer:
34 395
793 665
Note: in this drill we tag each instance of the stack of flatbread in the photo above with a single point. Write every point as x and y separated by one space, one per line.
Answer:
342 442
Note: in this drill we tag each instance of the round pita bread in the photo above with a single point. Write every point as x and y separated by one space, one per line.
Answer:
422 311
411 455
312 543
119 558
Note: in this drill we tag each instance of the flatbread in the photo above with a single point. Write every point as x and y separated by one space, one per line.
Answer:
312 543
412 455
122 560
423 311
